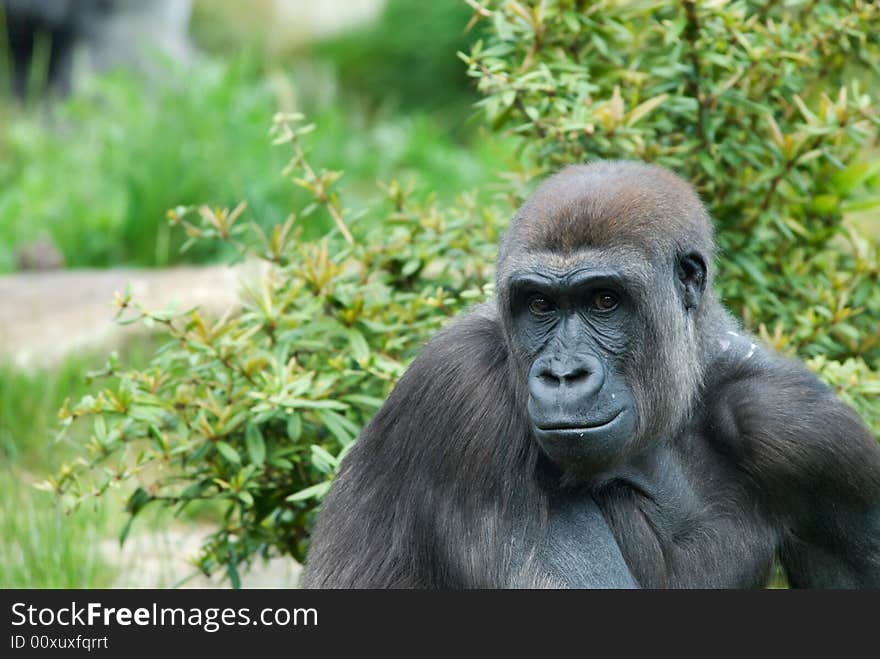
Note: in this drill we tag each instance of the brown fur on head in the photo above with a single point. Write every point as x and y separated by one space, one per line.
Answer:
637 219
610 204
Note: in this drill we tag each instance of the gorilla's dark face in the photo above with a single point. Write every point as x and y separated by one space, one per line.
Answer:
602 310
574 329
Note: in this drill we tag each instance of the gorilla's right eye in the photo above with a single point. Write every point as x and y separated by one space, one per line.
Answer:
540 305
605 301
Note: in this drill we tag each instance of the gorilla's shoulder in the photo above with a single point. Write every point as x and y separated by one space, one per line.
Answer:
471 342
462 370
778 422
458 388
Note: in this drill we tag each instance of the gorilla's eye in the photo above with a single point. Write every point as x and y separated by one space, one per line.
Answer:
540 305
605 301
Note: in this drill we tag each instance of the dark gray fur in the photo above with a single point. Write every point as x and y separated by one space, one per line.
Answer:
738 458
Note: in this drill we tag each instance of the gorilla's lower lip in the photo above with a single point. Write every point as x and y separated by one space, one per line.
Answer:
580 428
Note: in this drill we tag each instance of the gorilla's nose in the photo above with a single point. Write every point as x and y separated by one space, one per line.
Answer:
557 383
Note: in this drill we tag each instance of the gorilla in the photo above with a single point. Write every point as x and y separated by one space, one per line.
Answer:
604 422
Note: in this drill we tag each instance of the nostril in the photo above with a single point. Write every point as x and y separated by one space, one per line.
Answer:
549 380
572 378
576 376
565 381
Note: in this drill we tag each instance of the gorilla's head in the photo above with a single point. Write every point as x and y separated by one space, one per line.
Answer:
603 283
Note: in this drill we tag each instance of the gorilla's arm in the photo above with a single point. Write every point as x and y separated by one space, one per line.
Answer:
439 490
819 468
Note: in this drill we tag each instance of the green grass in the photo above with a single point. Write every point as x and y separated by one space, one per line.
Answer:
41 545
29 402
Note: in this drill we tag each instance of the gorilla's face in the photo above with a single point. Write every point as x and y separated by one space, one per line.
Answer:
575 328
600 282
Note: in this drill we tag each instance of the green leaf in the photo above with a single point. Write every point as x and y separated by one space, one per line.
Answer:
281 463
313 492
846 180
323 460
232 573
825 203
136 502
123 534
158 439
364 401
410 267
228 452
341 428
861 204
751 269
294 427
194 490
644 109
255 444
359 346
313 404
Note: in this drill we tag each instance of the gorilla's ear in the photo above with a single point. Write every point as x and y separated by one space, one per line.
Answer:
691 271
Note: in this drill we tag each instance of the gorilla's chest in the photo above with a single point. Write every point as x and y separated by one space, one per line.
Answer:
688 523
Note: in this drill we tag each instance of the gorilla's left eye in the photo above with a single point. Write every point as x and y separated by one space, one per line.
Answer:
540 305
605 301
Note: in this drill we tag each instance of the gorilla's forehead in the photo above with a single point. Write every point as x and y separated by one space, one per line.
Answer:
629 262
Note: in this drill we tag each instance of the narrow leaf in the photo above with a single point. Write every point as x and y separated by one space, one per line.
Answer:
256 445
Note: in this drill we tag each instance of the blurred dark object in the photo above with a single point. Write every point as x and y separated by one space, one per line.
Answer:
61 23
43 37
41 254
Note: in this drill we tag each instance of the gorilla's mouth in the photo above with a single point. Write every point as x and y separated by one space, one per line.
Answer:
579 427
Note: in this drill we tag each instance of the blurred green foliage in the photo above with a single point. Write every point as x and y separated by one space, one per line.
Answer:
407 57
41 546
29 403
756 103
97 172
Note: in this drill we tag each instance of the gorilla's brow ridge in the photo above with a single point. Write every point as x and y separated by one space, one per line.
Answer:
629 264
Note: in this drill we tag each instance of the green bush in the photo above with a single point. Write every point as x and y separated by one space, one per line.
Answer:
256 409
760 104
